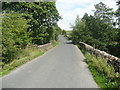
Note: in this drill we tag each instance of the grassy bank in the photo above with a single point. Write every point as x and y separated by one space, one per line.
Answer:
103 73
25 56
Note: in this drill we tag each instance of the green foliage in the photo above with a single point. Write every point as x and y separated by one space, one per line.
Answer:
103 73
64 32
43 18
14 35
57 31
27 23
69 32
103 12
99 32
96 31
117 13
25 55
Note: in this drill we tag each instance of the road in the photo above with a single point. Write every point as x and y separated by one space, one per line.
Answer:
60 67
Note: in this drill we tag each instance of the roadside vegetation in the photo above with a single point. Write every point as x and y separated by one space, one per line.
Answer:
26 24
25 56
103 73
101 32
67 34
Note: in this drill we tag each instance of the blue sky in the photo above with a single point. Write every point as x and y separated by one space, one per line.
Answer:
69 9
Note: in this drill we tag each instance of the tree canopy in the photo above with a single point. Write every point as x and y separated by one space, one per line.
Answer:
98 30
28 23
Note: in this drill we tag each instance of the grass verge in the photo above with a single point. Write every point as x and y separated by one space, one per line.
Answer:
103 73
26 55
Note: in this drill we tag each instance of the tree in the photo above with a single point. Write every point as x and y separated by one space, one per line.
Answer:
64 33
43 17
95 32
27 22
57 31
118 13
14 35
78 33
103 13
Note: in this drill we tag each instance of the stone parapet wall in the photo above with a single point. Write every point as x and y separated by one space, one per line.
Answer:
114 61
42 47
45 46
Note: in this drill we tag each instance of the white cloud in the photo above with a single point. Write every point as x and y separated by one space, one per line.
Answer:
69 9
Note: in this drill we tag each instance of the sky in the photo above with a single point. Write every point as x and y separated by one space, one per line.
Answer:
69 9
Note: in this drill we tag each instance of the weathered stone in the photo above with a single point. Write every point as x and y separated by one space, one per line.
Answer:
114 61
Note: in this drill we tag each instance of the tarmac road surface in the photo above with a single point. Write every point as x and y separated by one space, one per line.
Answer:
61 67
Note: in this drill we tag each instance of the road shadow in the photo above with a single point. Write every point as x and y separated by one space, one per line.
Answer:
85 60
68 42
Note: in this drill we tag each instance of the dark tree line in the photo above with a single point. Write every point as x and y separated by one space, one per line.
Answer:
27 23
98 30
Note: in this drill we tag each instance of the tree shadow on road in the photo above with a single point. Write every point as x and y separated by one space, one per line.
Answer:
68 42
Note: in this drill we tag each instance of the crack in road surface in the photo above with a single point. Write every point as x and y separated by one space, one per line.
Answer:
60 67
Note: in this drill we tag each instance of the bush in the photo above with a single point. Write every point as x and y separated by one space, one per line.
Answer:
14 35
104 70
96 33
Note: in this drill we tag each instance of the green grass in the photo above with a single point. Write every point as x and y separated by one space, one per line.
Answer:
25 56
103 73
55 43
32 53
